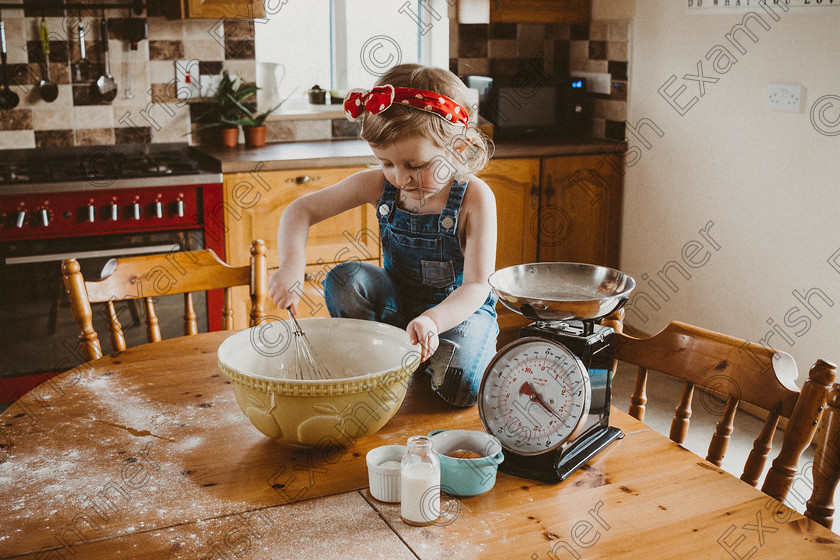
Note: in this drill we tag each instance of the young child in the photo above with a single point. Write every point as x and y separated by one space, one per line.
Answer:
437 227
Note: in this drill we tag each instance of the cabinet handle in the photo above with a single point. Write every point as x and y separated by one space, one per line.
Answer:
308 277
302 179
549 189
535 192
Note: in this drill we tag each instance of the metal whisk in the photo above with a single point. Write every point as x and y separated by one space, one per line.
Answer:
307 363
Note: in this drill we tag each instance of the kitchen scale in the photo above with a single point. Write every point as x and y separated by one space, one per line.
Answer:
546 395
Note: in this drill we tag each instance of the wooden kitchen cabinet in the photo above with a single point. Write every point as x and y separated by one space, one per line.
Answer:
252 207
580 209
225 9
539 11
515 183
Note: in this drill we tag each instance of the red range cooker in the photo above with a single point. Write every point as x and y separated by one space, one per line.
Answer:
94 203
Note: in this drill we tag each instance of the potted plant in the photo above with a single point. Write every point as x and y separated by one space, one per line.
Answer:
227 109
254 125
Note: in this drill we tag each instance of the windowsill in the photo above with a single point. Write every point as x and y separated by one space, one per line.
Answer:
300 109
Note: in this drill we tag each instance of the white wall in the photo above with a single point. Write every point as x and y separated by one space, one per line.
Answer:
768 180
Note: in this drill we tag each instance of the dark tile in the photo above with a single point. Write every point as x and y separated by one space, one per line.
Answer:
239 49
133 135
199 108
93 51
579 32
502 31
558 31
58 51
472 40
505 67
53 138
560 58
163 8
94 136
60 73
212 67
597 50
84 72
126 29
165 93
342 128
23 74
88 94
614 130
239 29
618 70
16 119
47 8
619 91
166 50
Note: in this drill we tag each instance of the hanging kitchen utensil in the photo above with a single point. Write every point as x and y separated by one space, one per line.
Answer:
106 84
136 31
47 87
82 67
8 98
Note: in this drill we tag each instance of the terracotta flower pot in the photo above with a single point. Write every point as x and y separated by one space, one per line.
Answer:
230 137
255 136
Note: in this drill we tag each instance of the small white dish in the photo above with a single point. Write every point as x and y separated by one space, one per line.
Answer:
385 479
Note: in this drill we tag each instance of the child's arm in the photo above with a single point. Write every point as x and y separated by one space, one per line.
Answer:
286 283
478 215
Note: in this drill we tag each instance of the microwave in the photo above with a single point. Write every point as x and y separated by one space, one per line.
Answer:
558 110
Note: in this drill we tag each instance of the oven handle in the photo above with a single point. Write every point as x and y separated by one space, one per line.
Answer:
57 257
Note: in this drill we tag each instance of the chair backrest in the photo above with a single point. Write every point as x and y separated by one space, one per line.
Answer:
826 468
147 277
739 371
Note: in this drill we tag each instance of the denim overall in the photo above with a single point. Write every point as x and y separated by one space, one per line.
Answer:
423 263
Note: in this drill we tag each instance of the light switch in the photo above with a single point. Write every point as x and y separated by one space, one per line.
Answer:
784 98
187 79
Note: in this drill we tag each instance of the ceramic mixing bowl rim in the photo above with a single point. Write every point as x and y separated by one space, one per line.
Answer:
463 462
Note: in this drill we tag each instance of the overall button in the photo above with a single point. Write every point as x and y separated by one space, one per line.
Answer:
384 210
447 222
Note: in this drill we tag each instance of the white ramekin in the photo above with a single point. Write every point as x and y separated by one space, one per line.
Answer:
385 481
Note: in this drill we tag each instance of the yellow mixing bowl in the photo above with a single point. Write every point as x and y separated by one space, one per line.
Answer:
369 362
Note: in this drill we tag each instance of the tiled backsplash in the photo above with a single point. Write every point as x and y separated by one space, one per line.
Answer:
505 49
80 116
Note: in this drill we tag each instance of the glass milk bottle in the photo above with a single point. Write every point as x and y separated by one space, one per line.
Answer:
420 483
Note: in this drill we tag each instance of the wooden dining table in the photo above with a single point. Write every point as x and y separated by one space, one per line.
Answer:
145 454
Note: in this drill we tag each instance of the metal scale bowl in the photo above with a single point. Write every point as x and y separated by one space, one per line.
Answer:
546 395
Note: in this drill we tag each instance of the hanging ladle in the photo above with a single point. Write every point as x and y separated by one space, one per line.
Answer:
106 84
47 87
8 98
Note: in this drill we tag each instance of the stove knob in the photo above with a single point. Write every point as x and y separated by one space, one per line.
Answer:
45 217
91 213
115 212
21 217
179 208
135 209
158 209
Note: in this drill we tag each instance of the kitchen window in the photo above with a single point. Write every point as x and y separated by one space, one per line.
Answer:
345 44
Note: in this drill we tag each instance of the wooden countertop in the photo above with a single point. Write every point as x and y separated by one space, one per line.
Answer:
352 153
145 454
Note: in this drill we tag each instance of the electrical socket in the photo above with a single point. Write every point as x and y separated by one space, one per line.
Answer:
596 82
187 79
784 98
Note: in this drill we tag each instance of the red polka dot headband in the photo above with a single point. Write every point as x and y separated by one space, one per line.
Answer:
360 101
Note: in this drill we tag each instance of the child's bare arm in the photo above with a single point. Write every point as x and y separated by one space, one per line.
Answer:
285 284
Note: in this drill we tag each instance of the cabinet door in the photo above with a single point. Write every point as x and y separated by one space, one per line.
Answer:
253 206
580 210
540 11
226 9
515 184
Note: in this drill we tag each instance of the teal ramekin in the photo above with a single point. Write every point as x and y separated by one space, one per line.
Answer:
467 477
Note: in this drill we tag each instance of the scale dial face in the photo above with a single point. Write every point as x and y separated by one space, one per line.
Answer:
534 396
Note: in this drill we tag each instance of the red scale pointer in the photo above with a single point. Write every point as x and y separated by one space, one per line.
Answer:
526 389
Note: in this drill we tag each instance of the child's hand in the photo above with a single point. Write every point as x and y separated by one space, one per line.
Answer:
281 286
423 330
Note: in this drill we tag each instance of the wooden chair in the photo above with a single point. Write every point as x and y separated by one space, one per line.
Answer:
740 371
826 471
145 277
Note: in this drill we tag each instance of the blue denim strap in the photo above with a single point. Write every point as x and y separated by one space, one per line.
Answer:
448 222
387 203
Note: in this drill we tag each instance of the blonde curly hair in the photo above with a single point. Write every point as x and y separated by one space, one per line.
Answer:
468 145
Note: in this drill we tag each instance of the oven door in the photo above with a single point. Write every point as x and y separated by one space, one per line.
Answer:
37 331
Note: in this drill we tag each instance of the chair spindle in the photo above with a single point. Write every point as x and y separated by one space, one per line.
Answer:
723 432
682 414
152 323
820 507
190 325
761 448
115 328
227 311
74 283
639 398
